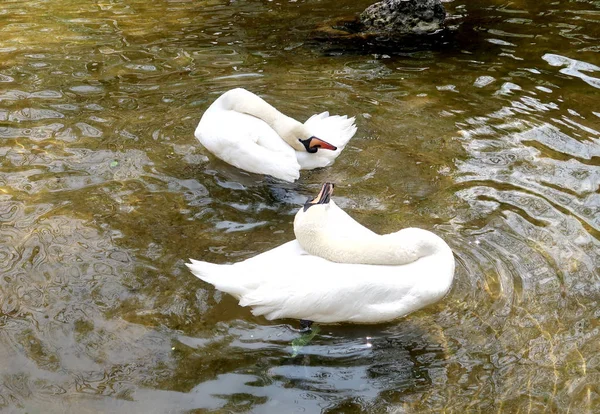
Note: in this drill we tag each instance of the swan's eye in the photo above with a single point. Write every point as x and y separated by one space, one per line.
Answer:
311 148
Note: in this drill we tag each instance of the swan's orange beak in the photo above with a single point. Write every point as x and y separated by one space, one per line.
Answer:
312 144
322 198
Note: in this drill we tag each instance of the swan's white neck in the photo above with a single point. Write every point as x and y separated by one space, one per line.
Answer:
327 231
240 100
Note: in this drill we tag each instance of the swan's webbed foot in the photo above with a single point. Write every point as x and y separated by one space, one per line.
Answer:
305 325
307 335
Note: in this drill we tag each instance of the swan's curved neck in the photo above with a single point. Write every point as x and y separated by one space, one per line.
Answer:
342 241
243 101
400 248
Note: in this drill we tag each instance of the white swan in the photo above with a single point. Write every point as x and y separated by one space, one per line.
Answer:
243 130
414 268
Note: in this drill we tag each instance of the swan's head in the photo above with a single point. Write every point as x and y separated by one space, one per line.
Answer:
312 218
322 199
313 144
295 134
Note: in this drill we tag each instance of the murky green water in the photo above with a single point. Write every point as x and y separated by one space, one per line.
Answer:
493 143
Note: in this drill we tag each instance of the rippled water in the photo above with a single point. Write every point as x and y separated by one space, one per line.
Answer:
493 142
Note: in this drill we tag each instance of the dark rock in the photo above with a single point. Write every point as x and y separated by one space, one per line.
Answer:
390 26
401 17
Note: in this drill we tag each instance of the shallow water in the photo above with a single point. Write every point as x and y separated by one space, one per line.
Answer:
493 142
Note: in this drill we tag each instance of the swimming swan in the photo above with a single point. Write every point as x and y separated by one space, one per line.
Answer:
243 130
338 271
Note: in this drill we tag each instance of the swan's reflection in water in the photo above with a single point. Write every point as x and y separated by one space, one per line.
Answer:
354 363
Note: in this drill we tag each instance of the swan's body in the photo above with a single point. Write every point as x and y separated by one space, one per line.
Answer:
290 282
243 130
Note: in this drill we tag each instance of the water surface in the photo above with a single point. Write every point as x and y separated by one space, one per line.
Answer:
493 142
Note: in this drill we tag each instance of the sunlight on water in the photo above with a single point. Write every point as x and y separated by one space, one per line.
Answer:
492 141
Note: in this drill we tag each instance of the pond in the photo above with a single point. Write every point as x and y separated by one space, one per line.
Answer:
492 141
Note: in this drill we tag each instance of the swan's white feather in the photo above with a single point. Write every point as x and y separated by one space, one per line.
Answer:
336 129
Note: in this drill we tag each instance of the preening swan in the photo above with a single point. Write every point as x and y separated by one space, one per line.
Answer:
243 130
338 270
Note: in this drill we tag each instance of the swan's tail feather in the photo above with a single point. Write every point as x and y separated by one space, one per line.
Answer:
261 308
222 277
228 279
268 312
335 129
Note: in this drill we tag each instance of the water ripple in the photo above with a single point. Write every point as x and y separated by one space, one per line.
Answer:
574 67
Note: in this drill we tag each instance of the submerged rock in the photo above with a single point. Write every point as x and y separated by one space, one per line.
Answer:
400 17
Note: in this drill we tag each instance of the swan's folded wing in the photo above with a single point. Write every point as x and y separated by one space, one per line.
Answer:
324 291
247 143
252 157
